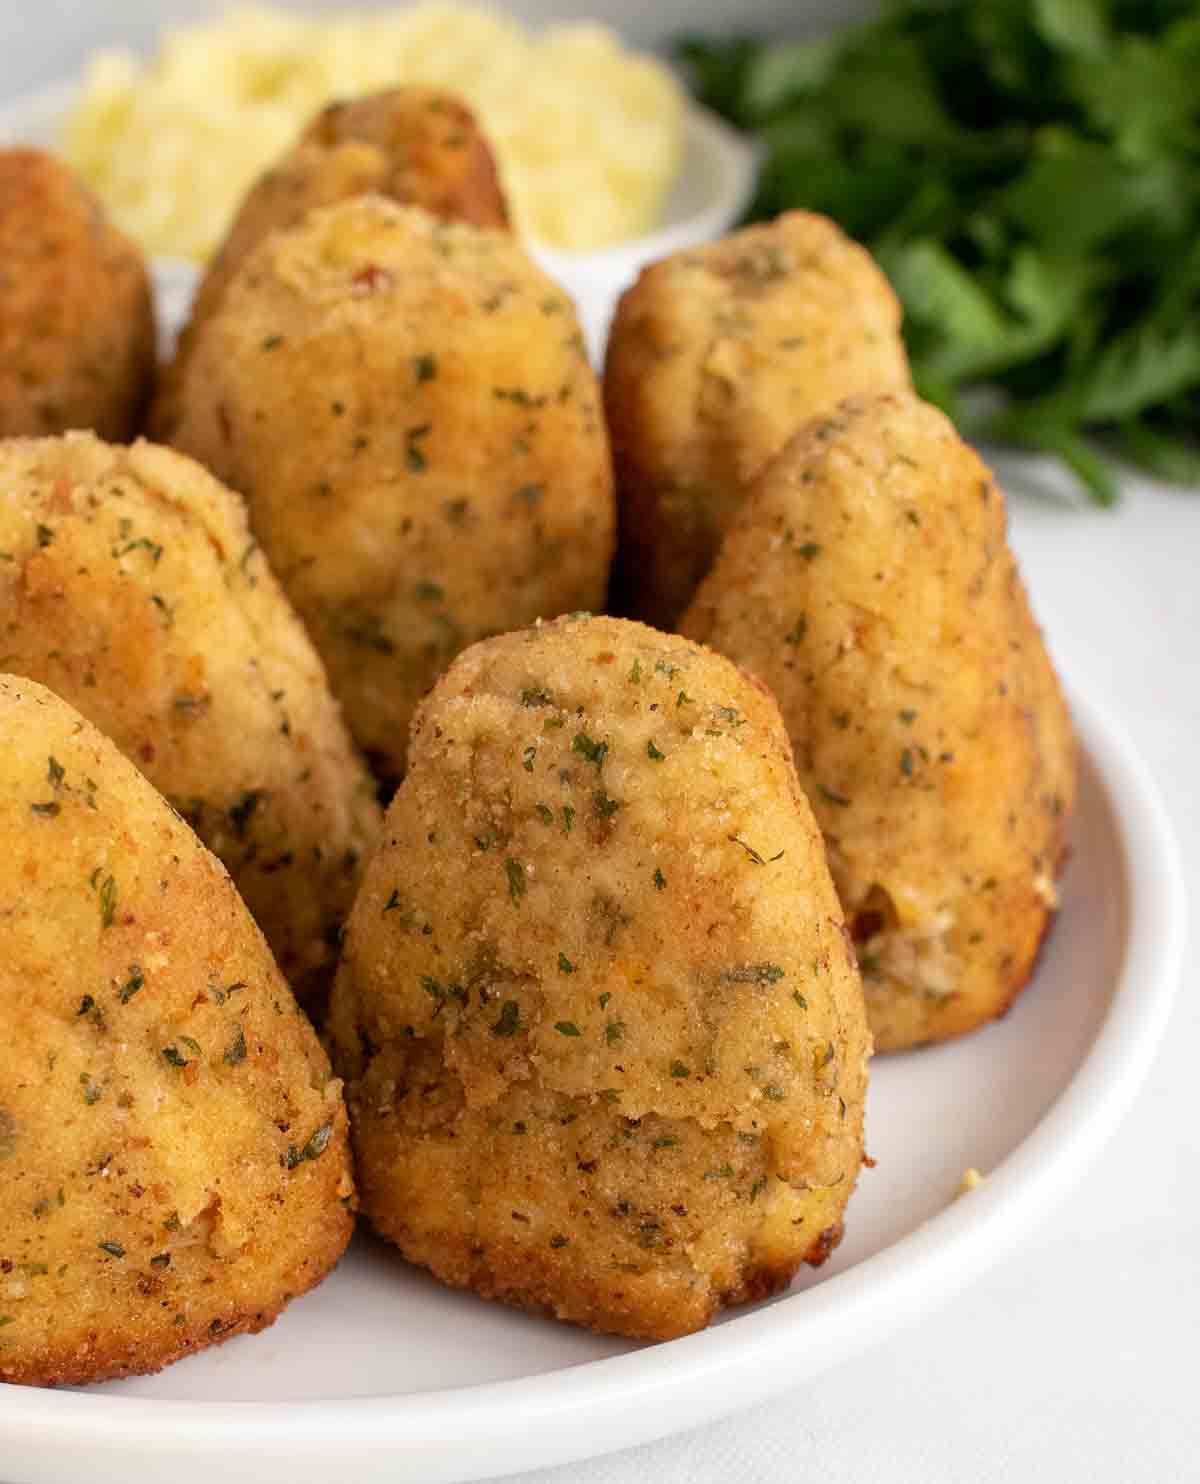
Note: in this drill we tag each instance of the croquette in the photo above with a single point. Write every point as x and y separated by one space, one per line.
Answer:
130 584
408 407
415 145
718 354
601 1022
76 319
174 1162
867 580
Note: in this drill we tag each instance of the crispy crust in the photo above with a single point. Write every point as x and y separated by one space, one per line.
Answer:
717 355
867 579
408 406
76 317
606 1055
134 590
417 146
174 1162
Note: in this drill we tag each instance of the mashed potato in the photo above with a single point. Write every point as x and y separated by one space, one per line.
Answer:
588 135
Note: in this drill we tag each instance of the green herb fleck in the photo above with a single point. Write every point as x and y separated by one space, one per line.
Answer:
722 1172
108 902
424 367
635 673
568 818
174 1056
758 1187
604 999
527 758
235 1052
683 699
317 1144
414 455
44 534
114 1249
558 1240
92 1091
602 806
660 881
595 752
132 984
907 717
907 762
536 696
774 1092
544 813
47 811
753 974
809 550
795 635
517 882
799 999
680 1069
565 966
614 1031
832 796
567 1028
653 753
509 1021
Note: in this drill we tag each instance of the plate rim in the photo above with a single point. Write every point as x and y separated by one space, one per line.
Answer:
618 1401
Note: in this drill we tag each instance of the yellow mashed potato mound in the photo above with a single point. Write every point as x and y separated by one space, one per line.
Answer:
588 135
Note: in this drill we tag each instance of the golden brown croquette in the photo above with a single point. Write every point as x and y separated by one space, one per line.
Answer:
131 585
717 355
408 407
868 582
600 1018
174 1164
76 318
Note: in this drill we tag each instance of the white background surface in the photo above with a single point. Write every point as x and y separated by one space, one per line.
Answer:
1075 1359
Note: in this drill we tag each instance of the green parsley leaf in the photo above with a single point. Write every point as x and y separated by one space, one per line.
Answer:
1025 173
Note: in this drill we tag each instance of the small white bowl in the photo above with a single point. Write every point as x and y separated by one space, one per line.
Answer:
709 195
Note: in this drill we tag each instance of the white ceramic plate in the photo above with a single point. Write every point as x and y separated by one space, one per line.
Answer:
382 1374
